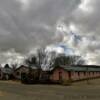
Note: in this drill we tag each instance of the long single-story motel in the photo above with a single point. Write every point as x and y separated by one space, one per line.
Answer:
57 75
75 72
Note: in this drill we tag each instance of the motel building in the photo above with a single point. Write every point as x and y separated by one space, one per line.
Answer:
75 73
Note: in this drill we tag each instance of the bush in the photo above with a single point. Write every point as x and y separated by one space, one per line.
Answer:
67 82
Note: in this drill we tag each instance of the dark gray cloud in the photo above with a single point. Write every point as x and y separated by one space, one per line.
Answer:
25 24
86 17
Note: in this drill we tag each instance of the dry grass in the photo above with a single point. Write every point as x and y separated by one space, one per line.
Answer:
10 81
3 93
12 90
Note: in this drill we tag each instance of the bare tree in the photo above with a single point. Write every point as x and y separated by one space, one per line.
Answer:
40 56
62 59
30 61
48 60
14 66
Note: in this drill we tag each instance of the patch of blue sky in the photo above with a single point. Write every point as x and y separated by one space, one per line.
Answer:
67 50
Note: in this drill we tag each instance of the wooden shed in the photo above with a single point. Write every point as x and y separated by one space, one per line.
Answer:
20 70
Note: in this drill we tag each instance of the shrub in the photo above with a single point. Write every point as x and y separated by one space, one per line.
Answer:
67 82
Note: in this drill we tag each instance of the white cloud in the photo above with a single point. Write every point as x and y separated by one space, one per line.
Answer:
25 4
11 57
86 6
86 46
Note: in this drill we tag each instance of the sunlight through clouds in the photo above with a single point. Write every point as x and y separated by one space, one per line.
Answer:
86 6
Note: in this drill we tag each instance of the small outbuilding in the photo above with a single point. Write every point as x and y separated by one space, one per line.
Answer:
20 70
6 72
27 73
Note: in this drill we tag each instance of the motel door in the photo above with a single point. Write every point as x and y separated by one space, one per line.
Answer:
60 76
69 74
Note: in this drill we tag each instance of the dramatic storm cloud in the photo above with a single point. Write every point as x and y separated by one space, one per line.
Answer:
85 23
26 24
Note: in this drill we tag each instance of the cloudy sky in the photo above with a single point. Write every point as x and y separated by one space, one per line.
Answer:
26 24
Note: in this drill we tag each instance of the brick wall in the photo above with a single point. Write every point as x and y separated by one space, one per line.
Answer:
74 75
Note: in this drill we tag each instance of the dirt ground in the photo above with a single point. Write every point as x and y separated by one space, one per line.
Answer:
77 91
